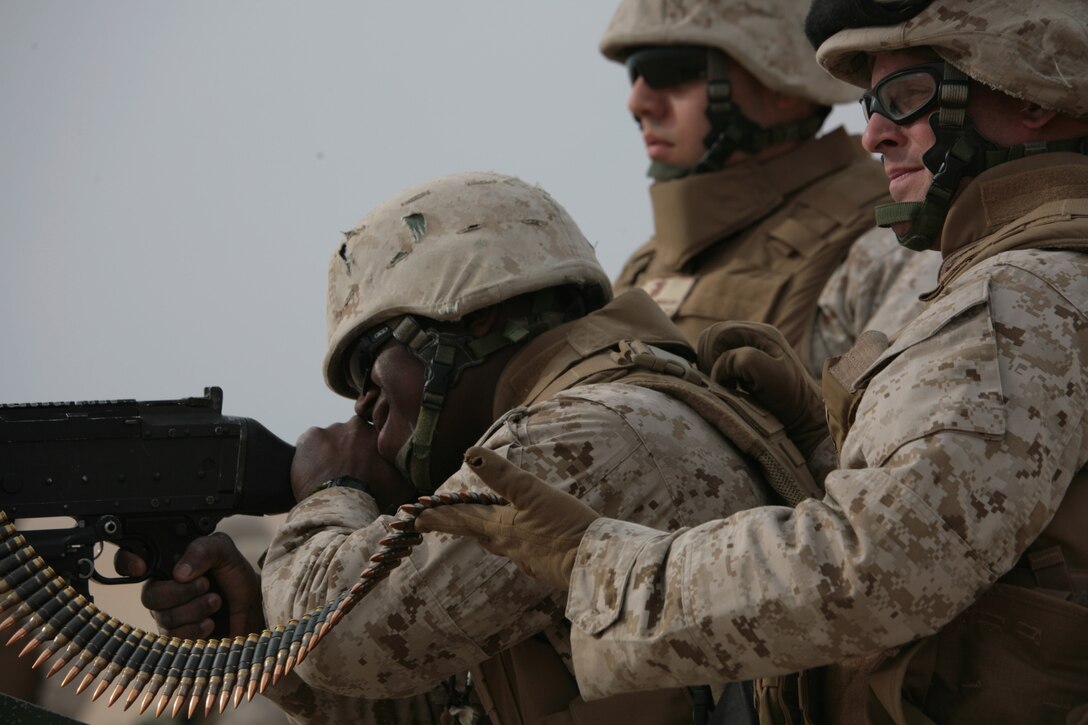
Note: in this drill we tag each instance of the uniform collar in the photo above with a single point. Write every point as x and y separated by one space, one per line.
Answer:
692 213
1006 193
993 210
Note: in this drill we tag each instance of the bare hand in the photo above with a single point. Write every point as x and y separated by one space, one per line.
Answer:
183 607
347 449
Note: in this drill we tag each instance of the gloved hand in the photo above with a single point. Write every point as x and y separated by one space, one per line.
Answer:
755 358
539 531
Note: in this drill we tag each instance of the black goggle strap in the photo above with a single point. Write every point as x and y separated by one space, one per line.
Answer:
362 356
951 157
927 217
445 355
731 130
952 98
959 152
993 157
970 155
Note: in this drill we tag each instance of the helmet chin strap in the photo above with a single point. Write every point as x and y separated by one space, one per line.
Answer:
958 152
730 129
954 149
445 354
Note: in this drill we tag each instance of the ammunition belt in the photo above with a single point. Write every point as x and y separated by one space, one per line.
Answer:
221 671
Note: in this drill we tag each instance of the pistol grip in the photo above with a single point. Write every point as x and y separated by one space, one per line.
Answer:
221 617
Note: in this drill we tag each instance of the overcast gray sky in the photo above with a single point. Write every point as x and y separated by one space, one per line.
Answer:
175 175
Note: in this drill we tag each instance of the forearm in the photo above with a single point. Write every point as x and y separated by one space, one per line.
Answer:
889 555
447 607
399 640
767 591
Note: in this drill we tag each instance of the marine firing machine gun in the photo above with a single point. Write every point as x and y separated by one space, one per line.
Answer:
152 476
149 476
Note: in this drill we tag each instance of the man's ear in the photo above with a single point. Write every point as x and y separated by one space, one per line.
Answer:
1035 117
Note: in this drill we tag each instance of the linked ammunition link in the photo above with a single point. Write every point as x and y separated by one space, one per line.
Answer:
221 671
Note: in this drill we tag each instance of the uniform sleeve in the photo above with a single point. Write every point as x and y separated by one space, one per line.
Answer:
451 605
963 448
876 288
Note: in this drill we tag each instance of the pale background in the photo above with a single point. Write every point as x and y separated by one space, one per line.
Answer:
175 175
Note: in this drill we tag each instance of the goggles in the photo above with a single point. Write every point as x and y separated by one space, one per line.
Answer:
363 354
667 66
906 94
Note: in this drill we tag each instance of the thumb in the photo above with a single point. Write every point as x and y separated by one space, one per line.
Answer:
733 334
516 485
472 520
746 368
212 553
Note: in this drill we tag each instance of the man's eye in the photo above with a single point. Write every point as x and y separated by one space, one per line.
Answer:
909 96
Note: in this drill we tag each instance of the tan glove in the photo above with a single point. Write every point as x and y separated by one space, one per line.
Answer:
755 358
539 531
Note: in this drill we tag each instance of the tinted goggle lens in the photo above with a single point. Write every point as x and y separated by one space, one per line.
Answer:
362 356
906 94
667 67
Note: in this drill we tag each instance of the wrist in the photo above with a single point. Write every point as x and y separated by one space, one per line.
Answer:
343 482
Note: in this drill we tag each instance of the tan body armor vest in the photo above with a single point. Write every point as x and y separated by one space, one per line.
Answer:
1027 634
758 240
530 683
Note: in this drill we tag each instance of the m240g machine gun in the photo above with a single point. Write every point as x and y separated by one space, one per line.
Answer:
152 476
149 476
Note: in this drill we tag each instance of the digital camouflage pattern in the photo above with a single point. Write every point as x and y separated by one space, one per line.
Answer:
628 452
970 429
788 241
878 287
765 36
480 237
1033 51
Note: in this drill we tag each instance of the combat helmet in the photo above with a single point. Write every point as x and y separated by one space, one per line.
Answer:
1036 51
421 261
764 37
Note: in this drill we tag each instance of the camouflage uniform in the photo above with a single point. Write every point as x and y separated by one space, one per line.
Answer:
710 260
772 240
971 428
440 251
878 287
945 572
629 452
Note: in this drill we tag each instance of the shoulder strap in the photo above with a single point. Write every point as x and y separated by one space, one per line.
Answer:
752 430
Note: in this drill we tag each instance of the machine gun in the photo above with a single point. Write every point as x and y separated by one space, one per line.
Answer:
149 476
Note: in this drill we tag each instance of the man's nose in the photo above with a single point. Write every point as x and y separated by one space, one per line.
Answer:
880 133
644 101
364 404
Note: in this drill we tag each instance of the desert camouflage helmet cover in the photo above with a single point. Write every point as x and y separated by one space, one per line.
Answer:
765 36
1037 51
448 247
